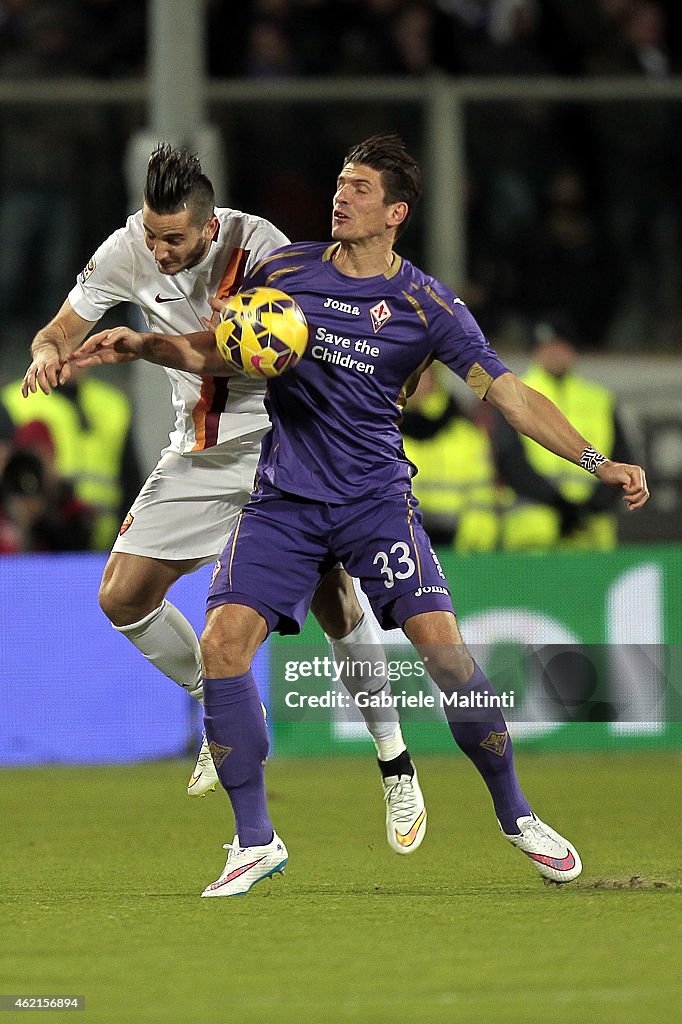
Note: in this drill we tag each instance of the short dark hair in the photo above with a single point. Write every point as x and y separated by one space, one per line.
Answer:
175 182
400 173
555 324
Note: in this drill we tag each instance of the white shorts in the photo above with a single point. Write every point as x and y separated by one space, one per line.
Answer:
189 503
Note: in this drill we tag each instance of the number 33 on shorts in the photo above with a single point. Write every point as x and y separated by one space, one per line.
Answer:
395 564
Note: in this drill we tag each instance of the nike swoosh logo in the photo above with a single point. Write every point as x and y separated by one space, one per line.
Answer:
173 298
236 873
560 863
409 837
195 778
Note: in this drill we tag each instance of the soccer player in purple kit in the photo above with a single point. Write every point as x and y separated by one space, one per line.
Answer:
333 485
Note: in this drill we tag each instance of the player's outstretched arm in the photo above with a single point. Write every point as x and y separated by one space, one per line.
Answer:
195 353
537 417
51 348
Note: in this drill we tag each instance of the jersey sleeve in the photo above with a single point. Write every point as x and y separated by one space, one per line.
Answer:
265 239
106 279
259 273
459 342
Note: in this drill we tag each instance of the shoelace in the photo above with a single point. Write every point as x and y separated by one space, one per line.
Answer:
402 799
204 760
234 849
534 832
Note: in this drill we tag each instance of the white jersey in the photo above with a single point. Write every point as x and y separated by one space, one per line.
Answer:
208 410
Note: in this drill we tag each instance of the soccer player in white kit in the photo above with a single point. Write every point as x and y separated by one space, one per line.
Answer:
171 256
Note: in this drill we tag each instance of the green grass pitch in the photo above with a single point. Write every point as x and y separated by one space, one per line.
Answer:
102 870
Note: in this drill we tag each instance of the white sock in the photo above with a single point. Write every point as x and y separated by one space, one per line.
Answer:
391 747
361 645
167 640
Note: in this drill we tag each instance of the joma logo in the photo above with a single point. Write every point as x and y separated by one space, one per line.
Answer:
343 307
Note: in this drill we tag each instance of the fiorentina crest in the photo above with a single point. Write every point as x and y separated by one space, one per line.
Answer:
380 314
496 743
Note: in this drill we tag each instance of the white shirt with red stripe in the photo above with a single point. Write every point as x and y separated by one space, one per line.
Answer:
208 410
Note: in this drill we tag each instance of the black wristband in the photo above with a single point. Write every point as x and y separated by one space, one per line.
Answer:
591 459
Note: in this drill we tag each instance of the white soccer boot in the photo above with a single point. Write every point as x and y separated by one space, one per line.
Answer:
247 865
553 856
405 813
204 777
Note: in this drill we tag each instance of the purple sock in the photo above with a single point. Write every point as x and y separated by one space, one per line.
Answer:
239 744
482 734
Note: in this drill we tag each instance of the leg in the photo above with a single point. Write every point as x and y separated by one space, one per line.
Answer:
133 597
239 745
481 732
354 640
177 523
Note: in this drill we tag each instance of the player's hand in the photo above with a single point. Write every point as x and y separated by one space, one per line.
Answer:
120 345
630 478
45 371
217 305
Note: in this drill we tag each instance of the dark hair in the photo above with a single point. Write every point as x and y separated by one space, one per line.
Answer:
400 173
176 182
555 324
23 475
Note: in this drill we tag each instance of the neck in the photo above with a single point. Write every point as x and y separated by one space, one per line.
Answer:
361 261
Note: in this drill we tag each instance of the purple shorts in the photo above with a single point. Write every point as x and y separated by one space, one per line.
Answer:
282 545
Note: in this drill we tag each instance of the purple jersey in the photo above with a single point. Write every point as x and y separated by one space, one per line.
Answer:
335 418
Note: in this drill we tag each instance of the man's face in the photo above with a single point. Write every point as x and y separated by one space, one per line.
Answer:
174 240
360 210
556 356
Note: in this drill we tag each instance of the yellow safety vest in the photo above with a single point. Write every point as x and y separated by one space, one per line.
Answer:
456 478
589 407
90 458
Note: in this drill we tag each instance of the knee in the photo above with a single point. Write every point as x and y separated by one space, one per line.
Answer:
449 665
230 640
124 601
439 642
110 601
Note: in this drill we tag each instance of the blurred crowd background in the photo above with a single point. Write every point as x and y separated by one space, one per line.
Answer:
573 210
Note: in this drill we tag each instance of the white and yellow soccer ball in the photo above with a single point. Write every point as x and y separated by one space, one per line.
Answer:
262 332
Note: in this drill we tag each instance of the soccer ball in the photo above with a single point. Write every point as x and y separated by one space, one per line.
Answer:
262 332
